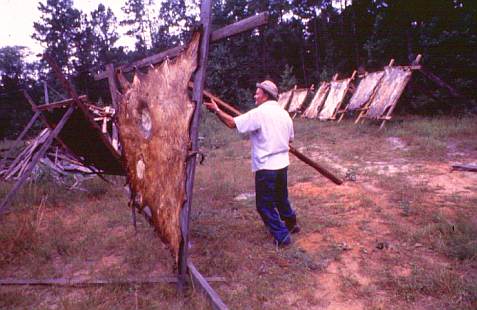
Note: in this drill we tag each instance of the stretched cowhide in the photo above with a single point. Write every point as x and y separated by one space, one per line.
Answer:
154 117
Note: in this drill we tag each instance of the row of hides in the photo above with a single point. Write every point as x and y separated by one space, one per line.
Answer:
154 117
376 93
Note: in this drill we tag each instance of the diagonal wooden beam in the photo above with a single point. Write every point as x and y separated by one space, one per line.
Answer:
20 137
246 24
36 158
197 278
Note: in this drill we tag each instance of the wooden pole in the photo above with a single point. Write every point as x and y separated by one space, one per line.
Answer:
246 24
81 283
199 81
45 89
113 89
322 170
214 298
36 158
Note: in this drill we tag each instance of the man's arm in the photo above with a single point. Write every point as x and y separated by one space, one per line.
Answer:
224 117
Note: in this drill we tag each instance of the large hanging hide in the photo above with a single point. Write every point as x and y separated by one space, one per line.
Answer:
317 101
389 90
153 119
336 95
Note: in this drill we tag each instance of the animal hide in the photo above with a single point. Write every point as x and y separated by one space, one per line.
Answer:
299 96
365 90
318 100
389 90
284 98
154 117
338 90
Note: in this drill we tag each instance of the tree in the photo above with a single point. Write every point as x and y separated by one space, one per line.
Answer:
138 23
104 23
58 29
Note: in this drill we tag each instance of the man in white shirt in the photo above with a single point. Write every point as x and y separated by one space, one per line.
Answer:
271 130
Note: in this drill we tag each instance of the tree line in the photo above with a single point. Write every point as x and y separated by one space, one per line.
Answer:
304 43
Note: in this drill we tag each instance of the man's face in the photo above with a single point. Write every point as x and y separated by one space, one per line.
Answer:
260 96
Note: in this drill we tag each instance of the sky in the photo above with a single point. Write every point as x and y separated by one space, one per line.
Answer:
17 17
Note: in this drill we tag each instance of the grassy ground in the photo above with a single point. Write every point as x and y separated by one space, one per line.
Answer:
401 233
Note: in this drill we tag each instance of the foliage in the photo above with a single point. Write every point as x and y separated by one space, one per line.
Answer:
315 38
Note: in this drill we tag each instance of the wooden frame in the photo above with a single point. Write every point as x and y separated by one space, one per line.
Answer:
388 110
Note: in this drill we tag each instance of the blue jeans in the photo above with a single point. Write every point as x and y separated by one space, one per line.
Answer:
272 202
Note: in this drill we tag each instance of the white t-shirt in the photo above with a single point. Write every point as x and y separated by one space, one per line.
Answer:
271 130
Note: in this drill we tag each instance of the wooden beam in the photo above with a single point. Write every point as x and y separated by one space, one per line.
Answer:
36 158
246 24
200 281
81 283
322 170
197 96
113 89
60 104
19 138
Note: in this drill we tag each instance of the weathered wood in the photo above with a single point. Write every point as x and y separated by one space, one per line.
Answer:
81 283
45 89
217 99
36 158
197 96
325 172
19 138
215 300
431 76
60 104
113 89
246 24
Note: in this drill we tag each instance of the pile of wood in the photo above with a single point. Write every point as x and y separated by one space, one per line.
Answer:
57 162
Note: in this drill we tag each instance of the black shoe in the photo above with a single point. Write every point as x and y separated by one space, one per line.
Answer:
284 243
292 226
294 230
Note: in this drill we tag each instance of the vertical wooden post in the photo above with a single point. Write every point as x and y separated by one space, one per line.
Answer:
199 81
45 89
113 89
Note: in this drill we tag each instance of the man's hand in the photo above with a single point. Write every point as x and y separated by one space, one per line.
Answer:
212 106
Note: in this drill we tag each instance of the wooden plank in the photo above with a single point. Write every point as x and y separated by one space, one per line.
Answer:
197 96
36 158
200 281
97 282
20 137
246 24
60 104
113 89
